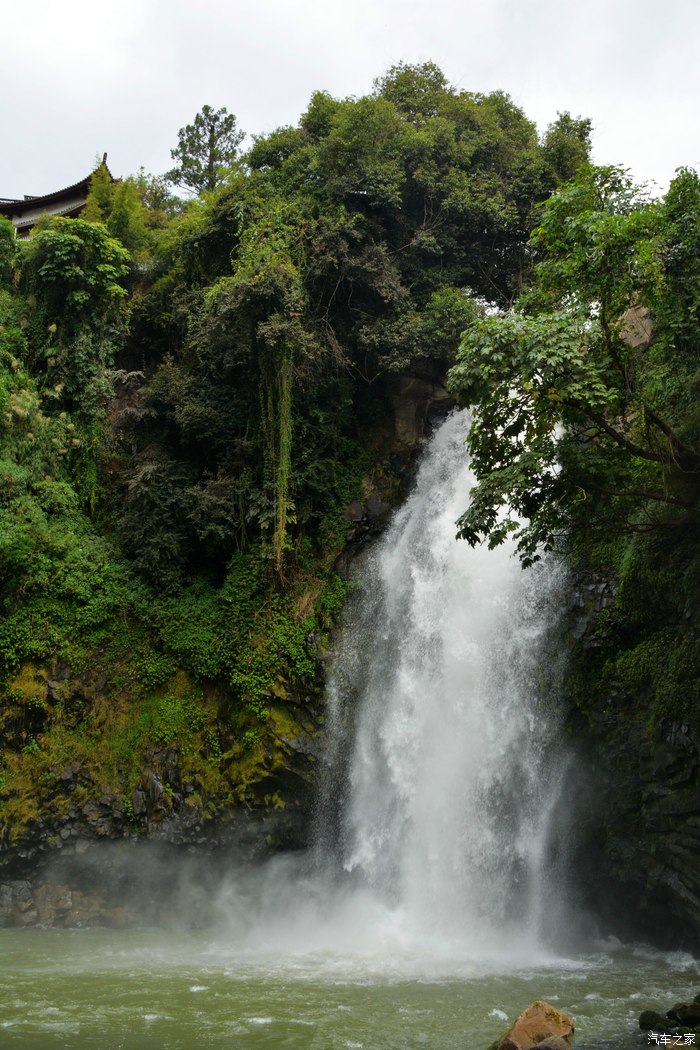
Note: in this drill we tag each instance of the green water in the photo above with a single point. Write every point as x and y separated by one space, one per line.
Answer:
142 990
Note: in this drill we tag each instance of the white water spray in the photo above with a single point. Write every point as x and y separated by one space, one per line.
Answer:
443 759
443 748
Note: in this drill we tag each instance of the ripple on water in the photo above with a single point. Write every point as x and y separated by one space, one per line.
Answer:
235 1002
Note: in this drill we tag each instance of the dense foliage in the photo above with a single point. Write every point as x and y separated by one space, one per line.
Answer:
351 246
586 431
205 150
191 393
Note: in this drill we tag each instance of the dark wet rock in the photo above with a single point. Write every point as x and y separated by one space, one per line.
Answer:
354 512
685 1013
633 795
368 518
138 802
650 1020
69 774
376 507
415 398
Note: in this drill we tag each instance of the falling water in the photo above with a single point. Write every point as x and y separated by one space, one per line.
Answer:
420 924
443 742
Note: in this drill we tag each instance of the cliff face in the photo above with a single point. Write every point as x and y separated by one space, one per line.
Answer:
634 798
98 770
102 783
199 784
638 831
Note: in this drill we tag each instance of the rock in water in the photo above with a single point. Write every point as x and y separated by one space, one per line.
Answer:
685 1013
649 1019
540 1025
555 1042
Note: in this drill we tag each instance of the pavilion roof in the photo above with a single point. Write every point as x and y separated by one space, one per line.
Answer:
12 206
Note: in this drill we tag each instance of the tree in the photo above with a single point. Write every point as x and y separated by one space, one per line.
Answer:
74 270
7 250
206 148
126 219
100 197
73 274
158 200
416 90
582 403
567 144
342 250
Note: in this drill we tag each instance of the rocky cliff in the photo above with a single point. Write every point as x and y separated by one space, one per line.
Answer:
634 795
104 780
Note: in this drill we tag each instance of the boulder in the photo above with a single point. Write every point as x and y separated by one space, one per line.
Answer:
685 1013
540 1025
354 512
652 1019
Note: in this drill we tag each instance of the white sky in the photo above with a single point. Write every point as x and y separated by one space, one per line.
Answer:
78 77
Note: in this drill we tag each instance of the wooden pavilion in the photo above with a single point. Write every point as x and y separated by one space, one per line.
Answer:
68 202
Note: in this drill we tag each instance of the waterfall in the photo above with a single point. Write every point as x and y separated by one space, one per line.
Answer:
442 736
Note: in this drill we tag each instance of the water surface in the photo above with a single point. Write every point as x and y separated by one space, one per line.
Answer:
142 990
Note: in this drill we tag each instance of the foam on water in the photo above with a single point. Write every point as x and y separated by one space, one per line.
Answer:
316 1001
434 825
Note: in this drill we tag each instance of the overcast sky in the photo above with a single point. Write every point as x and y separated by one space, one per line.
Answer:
79 77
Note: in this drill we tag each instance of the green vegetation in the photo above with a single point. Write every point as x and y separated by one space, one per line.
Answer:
206 150
586 431
191 394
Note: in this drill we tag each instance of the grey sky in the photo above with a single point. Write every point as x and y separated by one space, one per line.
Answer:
83 76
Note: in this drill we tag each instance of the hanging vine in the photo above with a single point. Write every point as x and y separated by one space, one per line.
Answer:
277 380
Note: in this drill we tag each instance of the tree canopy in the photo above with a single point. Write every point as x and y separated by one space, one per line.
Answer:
585 394
208 382
207 148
